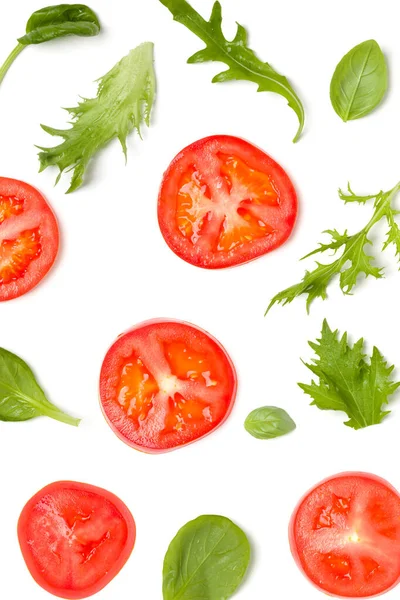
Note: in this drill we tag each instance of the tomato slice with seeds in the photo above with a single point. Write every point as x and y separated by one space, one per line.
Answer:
345 535
224 202
164 384
75 538
29 238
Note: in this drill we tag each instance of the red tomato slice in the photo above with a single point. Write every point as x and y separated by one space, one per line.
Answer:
29 238
164 384
345 535
75 538
224 202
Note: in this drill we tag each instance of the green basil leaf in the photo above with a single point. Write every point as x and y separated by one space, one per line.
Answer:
21 397
57 21
359 82
206 560
269 422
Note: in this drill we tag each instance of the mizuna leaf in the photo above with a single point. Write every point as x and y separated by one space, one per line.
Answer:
242 62
124 100
359 82
21 397
206 560
348 380
354 260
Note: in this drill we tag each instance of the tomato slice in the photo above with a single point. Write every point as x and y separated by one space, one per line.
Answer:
345 535
164 384
224 202
29 238
75 538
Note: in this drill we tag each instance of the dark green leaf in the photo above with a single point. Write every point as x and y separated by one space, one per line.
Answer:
21 397
242 62
348 381
359 82
58 21
269 422
206 560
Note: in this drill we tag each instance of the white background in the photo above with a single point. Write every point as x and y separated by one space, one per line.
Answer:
114 270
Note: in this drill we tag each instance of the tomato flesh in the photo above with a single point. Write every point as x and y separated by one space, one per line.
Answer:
345 535
223 202
29 238
75 538
164 384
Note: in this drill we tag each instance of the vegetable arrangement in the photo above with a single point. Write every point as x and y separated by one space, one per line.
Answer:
165 384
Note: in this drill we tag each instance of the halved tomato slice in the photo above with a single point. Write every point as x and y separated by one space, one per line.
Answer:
164 384
345 535
29 238
75 538
224 202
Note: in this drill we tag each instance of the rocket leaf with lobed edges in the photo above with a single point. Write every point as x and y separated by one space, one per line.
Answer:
243 63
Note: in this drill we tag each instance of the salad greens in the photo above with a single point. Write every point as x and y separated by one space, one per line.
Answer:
207 560
354 260
242 62
54 22
269 422
124 100
348 380
359 82
21 397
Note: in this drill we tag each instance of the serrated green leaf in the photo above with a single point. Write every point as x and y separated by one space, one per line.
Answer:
353 261
21 397
350 196
124 100
348 380
243 64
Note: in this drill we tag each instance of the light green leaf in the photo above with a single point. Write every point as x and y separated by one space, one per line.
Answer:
359 82
269 422
353 260
124 100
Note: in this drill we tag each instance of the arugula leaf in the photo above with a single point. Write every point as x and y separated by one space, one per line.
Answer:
53 22
354 260
21 397
242 62
124 100
269 422
206 560
359 82
348 381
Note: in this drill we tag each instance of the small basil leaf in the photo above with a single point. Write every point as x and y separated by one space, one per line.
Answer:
269 422
21 397
359 82
206 560
57 21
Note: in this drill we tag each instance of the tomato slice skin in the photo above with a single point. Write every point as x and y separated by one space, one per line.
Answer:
165 384
344 535
29 238
224 202
70 515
